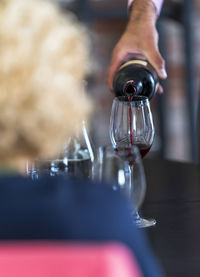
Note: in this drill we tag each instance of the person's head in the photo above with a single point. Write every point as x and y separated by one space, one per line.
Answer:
43 58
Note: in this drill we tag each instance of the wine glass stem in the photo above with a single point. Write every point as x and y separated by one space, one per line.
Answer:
130 188
129 192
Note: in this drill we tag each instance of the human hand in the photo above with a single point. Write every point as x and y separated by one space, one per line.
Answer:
140 37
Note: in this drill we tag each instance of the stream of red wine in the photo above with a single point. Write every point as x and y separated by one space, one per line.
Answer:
130 113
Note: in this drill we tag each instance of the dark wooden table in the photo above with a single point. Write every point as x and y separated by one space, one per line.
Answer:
173 199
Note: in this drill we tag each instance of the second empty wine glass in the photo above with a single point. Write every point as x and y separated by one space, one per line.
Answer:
114 169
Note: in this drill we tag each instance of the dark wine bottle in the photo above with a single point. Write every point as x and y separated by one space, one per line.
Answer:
136 77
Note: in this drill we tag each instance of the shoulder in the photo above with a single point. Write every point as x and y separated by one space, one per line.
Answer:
84 190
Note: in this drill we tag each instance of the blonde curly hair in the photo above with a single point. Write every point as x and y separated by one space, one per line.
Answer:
44 58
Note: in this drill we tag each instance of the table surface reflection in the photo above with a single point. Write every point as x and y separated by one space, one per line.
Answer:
173 199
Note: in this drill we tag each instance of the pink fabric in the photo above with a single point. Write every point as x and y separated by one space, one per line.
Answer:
157 3
81 260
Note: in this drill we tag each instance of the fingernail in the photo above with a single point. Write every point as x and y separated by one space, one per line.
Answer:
160 90
163 73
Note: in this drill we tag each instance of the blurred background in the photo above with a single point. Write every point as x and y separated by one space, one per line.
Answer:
175 112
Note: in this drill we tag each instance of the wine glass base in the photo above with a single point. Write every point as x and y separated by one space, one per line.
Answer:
142 222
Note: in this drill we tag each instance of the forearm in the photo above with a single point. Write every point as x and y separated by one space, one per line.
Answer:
142 28
142 11
157 4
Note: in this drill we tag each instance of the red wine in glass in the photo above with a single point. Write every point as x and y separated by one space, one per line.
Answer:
144 149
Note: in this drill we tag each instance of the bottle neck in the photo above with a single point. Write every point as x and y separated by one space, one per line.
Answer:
131 88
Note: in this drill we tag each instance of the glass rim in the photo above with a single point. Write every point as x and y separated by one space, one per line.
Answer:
135 99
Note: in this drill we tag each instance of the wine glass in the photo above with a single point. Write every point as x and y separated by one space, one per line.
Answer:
75 160
131 123
113 168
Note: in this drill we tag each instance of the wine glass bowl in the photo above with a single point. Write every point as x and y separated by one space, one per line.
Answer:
131 123
75 160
